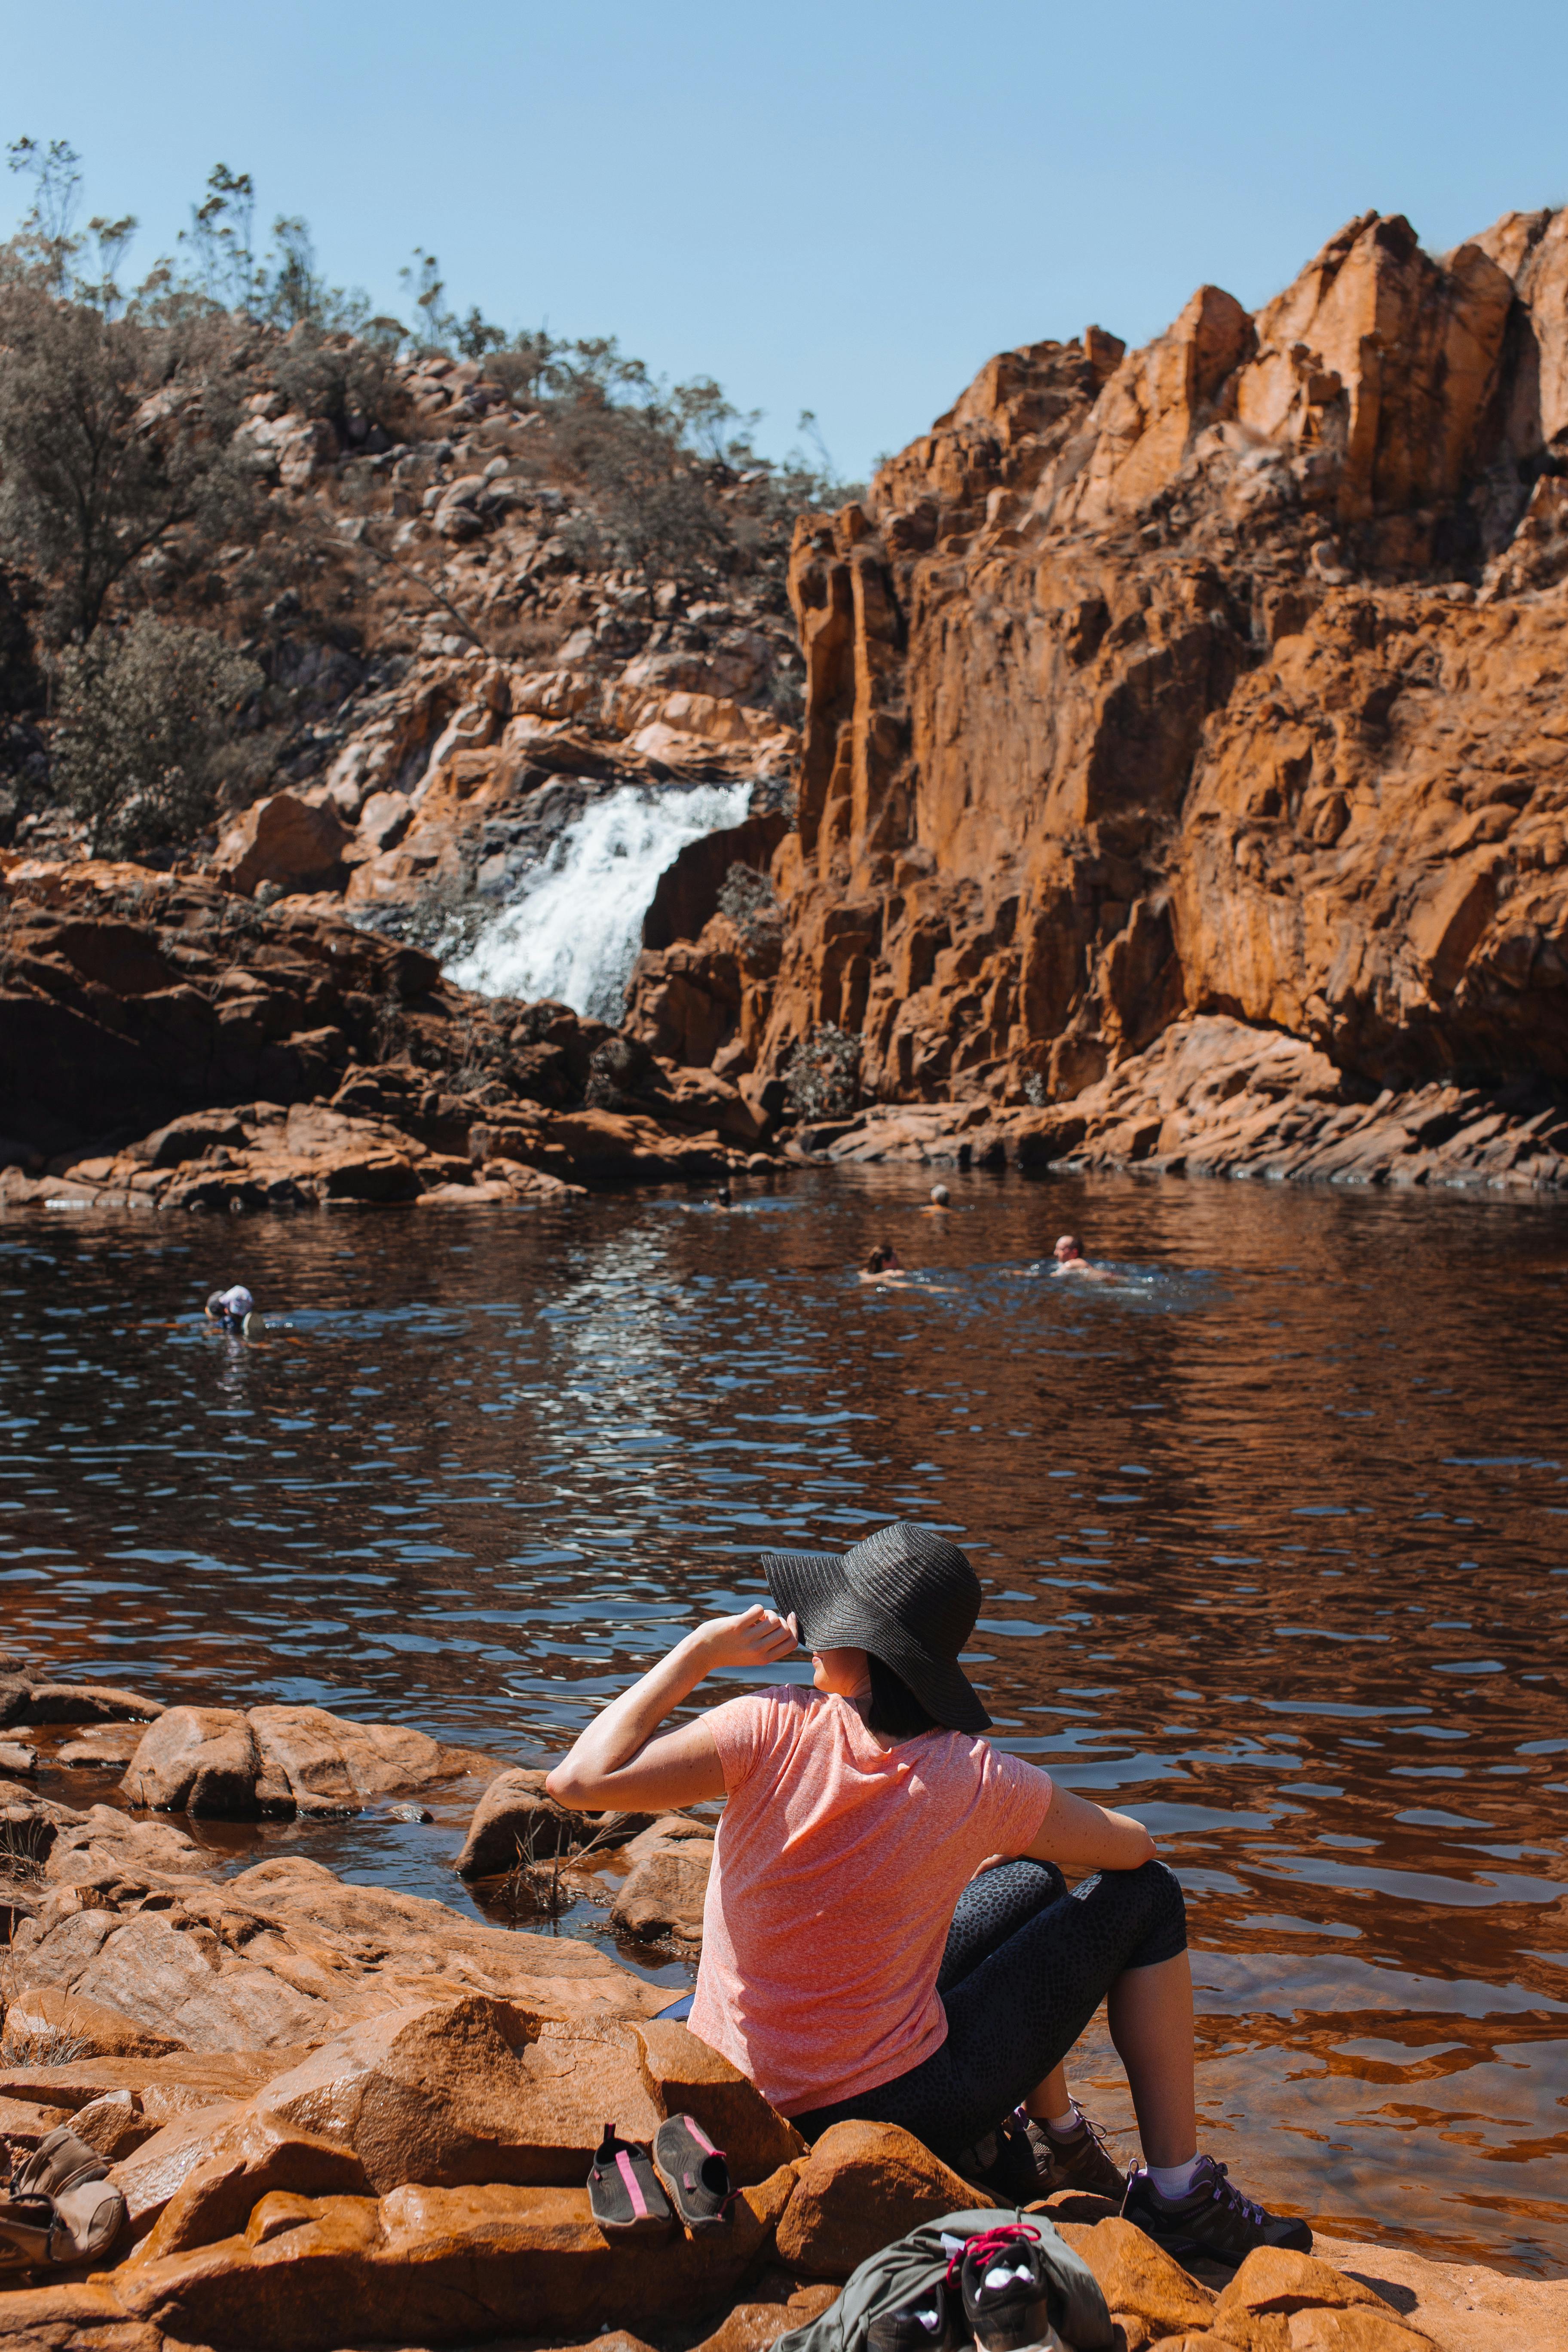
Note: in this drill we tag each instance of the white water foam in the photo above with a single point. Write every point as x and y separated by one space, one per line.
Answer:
574 931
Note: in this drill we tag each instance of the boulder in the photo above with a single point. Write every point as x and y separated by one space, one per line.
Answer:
114 2124
110 1745
197 1760
1462 2307
458 2093
862 2186
1148 2293
238 2165
1311 2307
16 1760
284 840
686 2077
427 2266
665 1892
48 2020
106 1840
754 2325
85 1703
514 1821
282 1760
285 1954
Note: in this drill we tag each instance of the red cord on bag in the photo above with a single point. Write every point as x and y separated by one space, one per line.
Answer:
985 2244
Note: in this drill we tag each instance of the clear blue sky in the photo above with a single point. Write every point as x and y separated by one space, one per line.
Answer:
839 204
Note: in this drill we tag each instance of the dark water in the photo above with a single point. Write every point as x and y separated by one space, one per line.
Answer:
1275 1539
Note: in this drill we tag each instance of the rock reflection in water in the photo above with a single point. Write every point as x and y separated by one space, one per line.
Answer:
1273 1536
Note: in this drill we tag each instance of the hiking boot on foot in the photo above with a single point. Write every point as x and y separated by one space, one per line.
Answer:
1004 2161
1213 2218
1010 2299
1076 2159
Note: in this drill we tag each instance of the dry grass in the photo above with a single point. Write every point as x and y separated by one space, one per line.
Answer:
52 2047
532 1887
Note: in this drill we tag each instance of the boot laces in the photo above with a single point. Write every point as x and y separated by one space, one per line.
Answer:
1232 2197
987 2242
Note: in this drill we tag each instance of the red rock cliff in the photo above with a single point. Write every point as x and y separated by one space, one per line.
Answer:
1223 677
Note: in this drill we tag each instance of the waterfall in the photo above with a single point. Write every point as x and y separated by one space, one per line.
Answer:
574 931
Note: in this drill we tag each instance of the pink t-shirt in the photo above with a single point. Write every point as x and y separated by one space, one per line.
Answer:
837 1866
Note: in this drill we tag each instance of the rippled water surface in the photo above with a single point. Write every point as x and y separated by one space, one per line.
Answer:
1275 1538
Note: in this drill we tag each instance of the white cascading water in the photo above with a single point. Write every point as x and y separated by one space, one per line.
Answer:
575 931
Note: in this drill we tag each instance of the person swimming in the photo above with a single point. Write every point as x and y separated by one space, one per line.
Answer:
1070 1259
723 1198
883 1264
230 1307
940 1200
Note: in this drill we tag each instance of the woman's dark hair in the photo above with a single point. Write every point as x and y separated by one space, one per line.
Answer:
894 1711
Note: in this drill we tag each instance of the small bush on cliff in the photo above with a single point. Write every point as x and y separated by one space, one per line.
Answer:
748 898
144 715
821 1075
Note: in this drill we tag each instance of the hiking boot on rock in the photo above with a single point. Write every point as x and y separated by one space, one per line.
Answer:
1076 2159
1212 2219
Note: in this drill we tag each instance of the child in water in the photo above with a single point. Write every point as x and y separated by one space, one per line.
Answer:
882 1266
230 1307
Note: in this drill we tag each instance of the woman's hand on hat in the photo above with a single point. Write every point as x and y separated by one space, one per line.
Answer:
757 1637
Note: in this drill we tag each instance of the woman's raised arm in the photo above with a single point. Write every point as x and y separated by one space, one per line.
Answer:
617 1762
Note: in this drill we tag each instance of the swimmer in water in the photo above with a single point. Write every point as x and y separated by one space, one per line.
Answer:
230 1307
940 1198
882 1266
1070 1259
723 1198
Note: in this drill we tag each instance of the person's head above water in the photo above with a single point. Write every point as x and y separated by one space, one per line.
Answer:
1067 1248
231 1305
939 1194
725 1196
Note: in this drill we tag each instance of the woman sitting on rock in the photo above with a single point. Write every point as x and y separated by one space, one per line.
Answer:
887 1933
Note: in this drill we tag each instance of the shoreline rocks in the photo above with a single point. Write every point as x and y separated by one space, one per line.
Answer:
283 1058
342 2115
1217 1097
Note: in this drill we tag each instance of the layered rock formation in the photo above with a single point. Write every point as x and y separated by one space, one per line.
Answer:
1218 680
285 1057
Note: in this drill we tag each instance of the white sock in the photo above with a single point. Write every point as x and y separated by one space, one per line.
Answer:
1171 2180
1066 2125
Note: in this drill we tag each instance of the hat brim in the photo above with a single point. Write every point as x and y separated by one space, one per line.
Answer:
811 1586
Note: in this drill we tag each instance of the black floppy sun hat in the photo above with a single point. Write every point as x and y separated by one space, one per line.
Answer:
906 1594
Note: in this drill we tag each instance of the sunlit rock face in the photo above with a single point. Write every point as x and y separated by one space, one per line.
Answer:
1220 678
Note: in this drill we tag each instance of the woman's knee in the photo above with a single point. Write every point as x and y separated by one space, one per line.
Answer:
1166 1934
1148 1906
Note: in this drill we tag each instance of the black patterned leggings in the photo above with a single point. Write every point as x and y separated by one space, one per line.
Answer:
1027 1966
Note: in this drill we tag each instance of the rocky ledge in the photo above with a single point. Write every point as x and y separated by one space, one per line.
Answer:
1217 1097
342 2115
282 1057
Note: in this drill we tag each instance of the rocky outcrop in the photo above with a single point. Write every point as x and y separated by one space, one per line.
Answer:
1214 1097
290 1762
284 1058
1216 679
342 2115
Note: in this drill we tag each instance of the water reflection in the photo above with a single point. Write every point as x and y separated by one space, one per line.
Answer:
1272 1534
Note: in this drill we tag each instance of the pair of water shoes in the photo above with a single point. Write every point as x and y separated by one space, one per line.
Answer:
59 2207
633 2192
